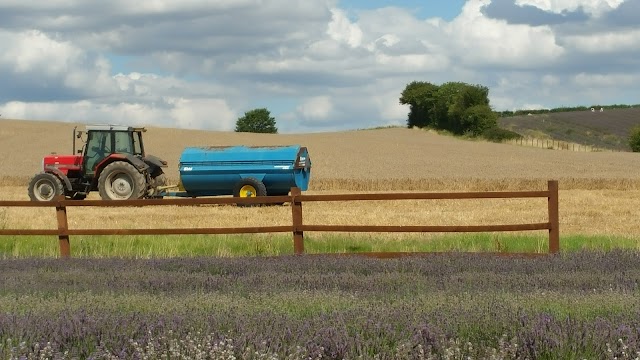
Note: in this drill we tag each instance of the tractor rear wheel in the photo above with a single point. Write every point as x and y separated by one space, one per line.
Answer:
121 181
249 187
45 187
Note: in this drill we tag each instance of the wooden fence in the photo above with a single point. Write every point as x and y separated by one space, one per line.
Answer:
557 145
297 229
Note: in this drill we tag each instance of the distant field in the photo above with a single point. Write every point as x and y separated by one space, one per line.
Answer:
383 159
608 129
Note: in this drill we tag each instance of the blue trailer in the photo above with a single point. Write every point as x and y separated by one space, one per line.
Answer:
242 171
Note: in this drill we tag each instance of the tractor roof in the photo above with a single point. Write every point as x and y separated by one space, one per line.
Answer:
113 128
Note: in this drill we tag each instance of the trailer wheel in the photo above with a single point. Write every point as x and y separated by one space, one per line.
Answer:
249 187
121 181
45 187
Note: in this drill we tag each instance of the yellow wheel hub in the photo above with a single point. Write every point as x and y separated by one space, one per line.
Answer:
248 191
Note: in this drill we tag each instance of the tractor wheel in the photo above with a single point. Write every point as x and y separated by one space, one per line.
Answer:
249 187
121 181
45 187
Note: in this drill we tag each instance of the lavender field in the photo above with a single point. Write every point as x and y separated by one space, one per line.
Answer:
572 306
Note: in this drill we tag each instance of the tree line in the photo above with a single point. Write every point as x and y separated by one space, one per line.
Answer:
508 113
457 107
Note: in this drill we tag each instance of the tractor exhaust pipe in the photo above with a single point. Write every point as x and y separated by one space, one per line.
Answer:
74 140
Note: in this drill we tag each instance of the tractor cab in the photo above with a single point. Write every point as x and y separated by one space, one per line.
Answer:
105 140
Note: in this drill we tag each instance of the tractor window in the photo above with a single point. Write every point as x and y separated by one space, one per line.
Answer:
137 143
98 147
123 142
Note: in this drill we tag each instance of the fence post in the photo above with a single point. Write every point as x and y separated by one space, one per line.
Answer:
63 227
296 214
554 218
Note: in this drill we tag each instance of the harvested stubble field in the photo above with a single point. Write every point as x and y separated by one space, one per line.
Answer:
600 219
599 191
381 159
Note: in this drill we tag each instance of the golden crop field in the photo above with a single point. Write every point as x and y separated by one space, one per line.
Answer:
600 192
382 159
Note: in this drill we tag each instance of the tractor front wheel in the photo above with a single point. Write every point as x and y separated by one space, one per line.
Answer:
121 181
249 187
45 187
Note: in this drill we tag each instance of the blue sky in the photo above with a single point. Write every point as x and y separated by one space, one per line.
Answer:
318 65
446 9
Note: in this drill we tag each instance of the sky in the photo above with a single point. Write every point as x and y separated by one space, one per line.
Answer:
317 65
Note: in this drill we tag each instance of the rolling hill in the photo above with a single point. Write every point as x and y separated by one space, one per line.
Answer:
608 129
396 157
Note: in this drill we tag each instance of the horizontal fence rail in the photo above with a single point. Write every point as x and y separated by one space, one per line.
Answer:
296 199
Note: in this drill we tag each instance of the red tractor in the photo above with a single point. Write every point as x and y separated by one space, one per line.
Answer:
112 161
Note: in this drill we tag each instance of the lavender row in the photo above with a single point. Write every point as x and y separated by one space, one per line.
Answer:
578 305
574 272
336 335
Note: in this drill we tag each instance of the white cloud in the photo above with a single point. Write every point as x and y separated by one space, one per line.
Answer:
342 30
203 114
607 42
391 111
34 58
35 51
533 106
316 108
606 80
85 112
413 62
481 41
550 80
212 114
593 7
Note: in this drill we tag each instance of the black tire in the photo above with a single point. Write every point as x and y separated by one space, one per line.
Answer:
45 187
121 181
249 187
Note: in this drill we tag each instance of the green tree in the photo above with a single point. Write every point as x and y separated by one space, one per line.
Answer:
457 107
449 108
421 97
477 119
634 139
257 121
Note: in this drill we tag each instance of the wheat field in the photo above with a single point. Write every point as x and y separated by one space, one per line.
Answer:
599 195
381 159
